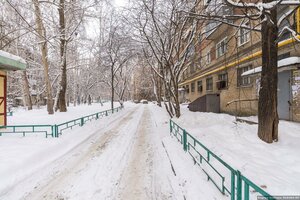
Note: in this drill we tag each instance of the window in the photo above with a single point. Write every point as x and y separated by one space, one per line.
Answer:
199 86
208 58
244 35
187 89
192 68
200 37
191 51
243 80
193 87
209 84
222 81
283 56
221 48
281 11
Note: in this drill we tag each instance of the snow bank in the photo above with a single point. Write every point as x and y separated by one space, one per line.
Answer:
275 166
22 156
22 116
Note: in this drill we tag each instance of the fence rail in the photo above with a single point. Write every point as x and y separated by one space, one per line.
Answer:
57 129
227 180
9 113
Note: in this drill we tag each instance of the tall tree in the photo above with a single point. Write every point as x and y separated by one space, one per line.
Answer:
26 91
61 92
167 37
44 48
267 104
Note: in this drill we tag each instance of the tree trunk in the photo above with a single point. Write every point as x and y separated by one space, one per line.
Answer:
267 104
89 100
159 92
43 43
177 105
112 88
26 91
63 48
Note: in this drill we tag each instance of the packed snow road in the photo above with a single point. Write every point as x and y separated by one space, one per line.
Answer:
113 163
132 157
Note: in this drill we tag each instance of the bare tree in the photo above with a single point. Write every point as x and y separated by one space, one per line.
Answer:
26 91
44 48
167 37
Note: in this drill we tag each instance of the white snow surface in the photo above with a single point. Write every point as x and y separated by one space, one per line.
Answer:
274 167
22 116
131 155
122 156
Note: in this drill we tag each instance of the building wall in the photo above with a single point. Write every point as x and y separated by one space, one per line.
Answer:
248 54
296 95
3 95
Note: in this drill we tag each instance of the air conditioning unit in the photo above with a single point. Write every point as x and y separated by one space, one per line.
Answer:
221 85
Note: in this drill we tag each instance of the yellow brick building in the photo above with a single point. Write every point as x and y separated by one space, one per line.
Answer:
221 59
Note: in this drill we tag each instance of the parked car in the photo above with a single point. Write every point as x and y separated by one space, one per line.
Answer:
144 101
136 101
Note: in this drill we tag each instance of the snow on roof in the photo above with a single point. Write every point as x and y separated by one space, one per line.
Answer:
11 62
281 63
12 57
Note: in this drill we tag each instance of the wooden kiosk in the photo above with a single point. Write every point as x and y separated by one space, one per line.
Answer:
8 62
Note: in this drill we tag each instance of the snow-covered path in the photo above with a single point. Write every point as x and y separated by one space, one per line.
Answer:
139 180
92 169
132 157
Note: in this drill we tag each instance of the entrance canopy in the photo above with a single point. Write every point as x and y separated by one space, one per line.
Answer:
11 62
284 64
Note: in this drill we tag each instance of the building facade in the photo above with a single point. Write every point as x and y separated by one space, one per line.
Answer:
224 55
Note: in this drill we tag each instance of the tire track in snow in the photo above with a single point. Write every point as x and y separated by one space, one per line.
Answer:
136 180
76 160
140 177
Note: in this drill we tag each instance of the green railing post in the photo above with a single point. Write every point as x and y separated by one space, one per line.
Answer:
81 121
170 126
184 140
246 191
239 186
97 115
232 185
106 114
52 131
56 130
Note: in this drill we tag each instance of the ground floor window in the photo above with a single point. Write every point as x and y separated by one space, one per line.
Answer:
209 84
243 80
187 89
199 86
222 81
193 87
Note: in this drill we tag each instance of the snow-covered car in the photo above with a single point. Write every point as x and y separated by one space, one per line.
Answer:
144 101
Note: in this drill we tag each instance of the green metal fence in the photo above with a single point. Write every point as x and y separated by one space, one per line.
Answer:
48 130
10 113
227 180
57 129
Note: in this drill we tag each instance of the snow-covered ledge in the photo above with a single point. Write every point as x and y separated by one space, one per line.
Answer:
11 62
281 63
